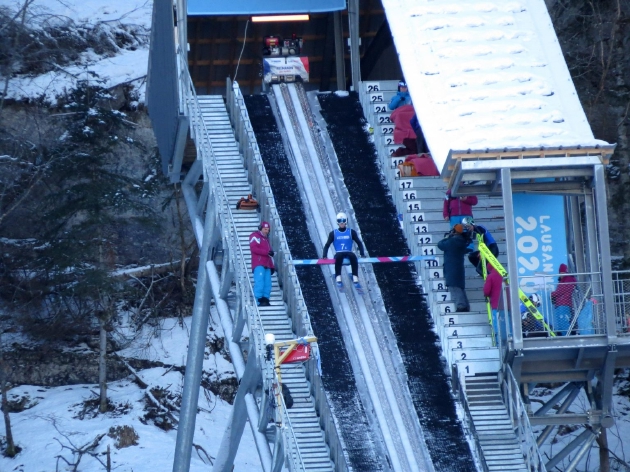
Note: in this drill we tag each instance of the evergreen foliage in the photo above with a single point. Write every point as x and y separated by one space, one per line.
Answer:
78 208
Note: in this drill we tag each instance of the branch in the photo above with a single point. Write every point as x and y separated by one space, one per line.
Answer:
165 408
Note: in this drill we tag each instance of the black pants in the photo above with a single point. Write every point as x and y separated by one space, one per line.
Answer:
459 298
354 262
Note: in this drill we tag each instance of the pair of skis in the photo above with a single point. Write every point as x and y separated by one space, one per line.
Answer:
486 255
357 286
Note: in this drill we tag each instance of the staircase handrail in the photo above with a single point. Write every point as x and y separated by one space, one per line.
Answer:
244 287
286 271
520 421
459 386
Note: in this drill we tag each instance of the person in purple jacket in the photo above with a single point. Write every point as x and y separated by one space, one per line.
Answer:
262 263
456 208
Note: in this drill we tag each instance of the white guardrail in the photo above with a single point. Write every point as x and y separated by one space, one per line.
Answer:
294 299
518 416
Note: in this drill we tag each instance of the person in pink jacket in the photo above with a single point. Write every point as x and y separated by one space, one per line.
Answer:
492 291
262 263
562 298
402 127
456 208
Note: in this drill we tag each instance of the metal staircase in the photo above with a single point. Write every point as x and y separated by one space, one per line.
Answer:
466 337
311 445
492 423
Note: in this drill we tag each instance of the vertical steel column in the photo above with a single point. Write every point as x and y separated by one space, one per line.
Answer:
194 361
601 208
591 235
340 56
181 10
278 453
238 417
578 235
510 242
355 57
593 257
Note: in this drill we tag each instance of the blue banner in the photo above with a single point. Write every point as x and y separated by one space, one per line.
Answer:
541 239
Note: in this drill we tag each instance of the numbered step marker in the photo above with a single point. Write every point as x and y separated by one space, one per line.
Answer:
433 263
410 195
439 274
371 87
387 130
415 206
439 286
384 120
376 97
428 250
405 184
447 308
424 240
380 109
395 162
418 223
392 147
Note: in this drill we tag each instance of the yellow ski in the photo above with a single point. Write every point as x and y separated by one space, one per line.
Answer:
484 271
487 255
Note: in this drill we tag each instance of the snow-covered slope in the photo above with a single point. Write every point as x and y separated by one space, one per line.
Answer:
112 45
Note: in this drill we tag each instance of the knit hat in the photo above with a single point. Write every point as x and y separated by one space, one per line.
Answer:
264 224
458 228
402 83
563 269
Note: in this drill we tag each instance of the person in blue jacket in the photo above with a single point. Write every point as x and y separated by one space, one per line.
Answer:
402 97
342 239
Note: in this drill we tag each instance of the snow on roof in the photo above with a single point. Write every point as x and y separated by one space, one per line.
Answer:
486 74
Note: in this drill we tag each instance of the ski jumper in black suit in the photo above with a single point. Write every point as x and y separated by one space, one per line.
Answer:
342 240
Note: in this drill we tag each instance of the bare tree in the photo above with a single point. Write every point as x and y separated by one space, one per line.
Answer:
11 450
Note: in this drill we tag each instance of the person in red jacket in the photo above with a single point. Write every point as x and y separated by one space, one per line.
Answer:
492 291
262 263
562 298
456 208
402 127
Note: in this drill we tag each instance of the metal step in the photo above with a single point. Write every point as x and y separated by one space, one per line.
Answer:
495 431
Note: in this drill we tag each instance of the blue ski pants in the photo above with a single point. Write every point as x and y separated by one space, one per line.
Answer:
262 282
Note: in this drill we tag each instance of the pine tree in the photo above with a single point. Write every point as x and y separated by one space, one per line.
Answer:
82 202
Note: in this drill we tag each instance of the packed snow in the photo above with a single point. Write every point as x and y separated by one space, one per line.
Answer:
59 421
487 75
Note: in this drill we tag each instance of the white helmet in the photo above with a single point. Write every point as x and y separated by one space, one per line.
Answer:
468 220
342 217
535 299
